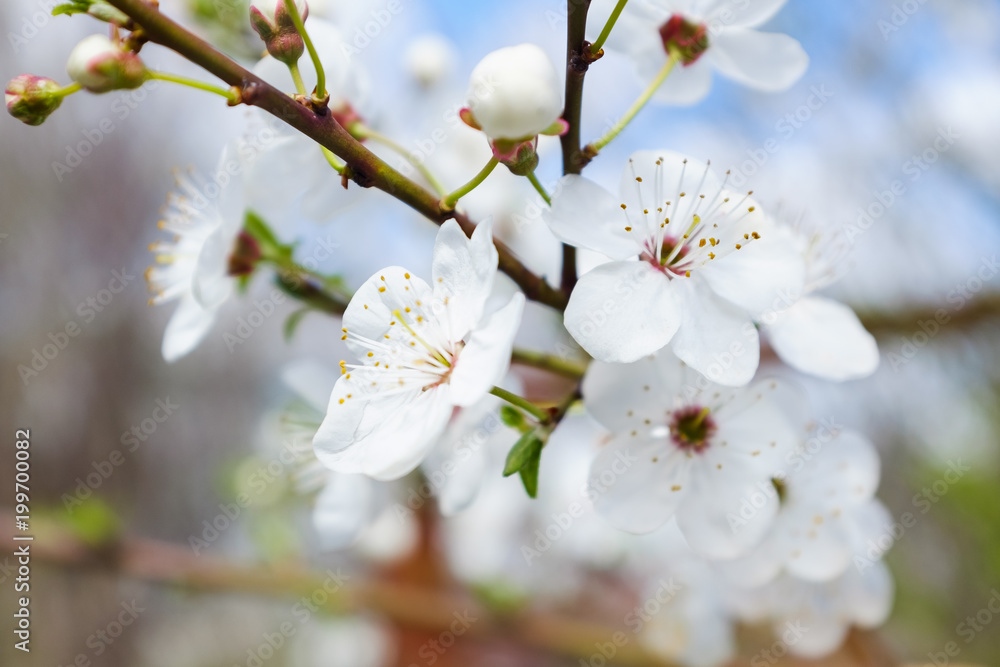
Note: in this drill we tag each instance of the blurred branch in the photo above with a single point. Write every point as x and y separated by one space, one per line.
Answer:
974 311
363 166
409 605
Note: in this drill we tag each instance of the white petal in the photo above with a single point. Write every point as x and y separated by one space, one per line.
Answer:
638 484
750 14
716 338
382 437
463 273
485 358
666 175
762 60
825 338
870 595
622 311
189 324
722 518
585 215
765 276
686 85
370 311
343 510
623 396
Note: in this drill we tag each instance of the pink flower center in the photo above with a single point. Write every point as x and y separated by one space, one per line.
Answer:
692 428
687 38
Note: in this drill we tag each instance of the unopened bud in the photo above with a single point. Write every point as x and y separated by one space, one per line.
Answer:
514 93
31 99
100 66
273 22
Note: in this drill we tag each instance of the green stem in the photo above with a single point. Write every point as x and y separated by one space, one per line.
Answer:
231 96
523 403
539 188
549 362
68 90
363 132
300 26
300 85
636 107
452 199
337 165
596 46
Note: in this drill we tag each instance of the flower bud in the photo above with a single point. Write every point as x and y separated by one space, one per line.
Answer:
514 93
271 20
100 66
688 39
31 99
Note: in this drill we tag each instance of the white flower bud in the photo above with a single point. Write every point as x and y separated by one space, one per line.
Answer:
429 59
515 93
100 66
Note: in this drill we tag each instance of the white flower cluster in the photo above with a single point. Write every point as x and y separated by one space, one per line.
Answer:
749 512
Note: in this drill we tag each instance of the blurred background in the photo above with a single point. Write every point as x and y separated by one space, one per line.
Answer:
887 81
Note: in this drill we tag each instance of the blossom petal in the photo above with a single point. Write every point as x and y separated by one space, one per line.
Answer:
585 215
486 356
622 311
726 519
463 273
765 276
370 312
189 324
623 396
686 85
762 60
382 437
725 14
342 510
716 338
825 338
638 484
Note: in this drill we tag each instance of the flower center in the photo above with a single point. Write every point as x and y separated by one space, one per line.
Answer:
686 38
692 428
246 253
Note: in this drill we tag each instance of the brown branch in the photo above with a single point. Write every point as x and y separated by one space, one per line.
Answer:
971 312
365 168
578 59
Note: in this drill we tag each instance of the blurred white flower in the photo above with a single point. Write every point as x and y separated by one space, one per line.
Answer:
828 515
707 36
710 262
424 350
430 59
205 218
686 447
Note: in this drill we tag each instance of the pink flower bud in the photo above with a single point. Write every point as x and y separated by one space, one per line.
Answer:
100 66
272 21
31 99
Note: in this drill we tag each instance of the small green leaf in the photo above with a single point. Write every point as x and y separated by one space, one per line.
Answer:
292 323
528 446
529 473
512 417
69 8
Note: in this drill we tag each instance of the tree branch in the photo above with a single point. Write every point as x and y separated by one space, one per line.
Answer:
364 167
578 59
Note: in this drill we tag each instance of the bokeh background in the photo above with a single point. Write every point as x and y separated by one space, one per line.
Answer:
886 80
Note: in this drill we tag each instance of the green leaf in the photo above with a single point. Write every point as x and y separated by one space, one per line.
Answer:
512 417
527 447
70 8
292 323
529 473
